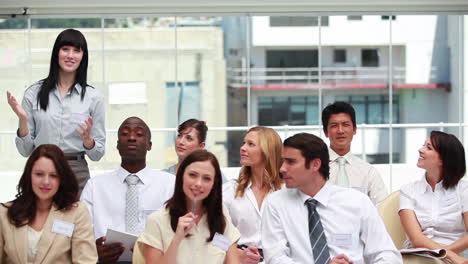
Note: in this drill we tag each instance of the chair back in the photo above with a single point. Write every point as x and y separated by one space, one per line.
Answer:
388 210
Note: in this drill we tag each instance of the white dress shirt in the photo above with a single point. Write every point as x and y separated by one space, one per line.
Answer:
58 124
105 197
439 212
350 221
362 176
245 214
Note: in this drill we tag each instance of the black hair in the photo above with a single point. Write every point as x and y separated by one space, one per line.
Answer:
452 155
337 108
68 37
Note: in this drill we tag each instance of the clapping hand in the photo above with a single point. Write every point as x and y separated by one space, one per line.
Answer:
85 133
17 108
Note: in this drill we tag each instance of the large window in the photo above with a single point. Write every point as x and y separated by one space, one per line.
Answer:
404 76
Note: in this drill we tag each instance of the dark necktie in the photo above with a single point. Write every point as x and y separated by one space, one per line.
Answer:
318 240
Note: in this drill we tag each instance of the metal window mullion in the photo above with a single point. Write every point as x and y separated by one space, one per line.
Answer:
29 52
103 55
390 105
319 51
176 66
248 44
461 83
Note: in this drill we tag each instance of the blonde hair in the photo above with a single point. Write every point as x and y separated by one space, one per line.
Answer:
271 146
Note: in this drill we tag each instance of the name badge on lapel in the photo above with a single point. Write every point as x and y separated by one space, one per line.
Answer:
63 228
221 241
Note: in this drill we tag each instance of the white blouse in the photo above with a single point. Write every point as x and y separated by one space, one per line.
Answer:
33 240
439 212
245 214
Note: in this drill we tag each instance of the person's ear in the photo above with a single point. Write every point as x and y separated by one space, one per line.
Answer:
316 164
150 144
202 145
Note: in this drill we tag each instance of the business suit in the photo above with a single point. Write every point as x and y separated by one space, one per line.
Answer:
53 247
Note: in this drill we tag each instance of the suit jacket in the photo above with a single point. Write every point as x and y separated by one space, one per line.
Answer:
52 247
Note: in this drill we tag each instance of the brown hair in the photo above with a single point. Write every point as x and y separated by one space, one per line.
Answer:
452 155
311 147
213 203
270 143
199 125
23 209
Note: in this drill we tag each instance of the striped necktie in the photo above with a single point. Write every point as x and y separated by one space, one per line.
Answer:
131 204
318 240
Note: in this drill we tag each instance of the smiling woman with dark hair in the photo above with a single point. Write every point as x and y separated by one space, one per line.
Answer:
46 223
434 209
194 227
63 109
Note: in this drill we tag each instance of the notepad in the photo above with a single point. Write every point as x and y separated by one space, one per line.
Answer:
439 253
128 241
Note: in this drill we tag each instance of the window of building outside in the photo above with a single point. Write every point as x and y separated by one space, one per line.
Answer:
339 56
370 58
302 62
183 99
372 109
354 18
289 110
298 21
388 17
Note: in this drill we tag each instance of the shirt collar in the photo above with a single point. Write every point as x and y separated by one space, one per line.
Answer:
423 186
333 156
142 174
76 88
322 197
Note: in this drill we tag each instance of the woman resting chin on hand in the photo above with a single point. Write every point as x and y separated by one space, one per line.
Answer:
194 227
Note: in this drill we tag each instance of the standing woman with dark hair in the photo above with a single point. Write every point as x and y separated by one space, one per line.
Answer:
63 109
260 175
46 223
194 227
434 210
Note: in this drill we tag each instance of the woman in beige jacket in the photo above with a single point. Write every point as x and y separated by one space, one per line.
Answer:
46 223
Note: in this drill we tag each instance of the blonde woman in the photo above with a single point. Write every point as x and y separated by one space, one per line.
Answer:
261 160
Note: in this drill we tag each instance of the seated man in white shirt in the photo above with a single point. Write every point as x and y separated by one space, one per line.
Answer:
347 170
312 221
122 199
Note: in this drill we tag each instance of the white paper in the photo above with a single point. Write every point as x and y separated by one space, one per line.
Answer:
127 240
63 228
